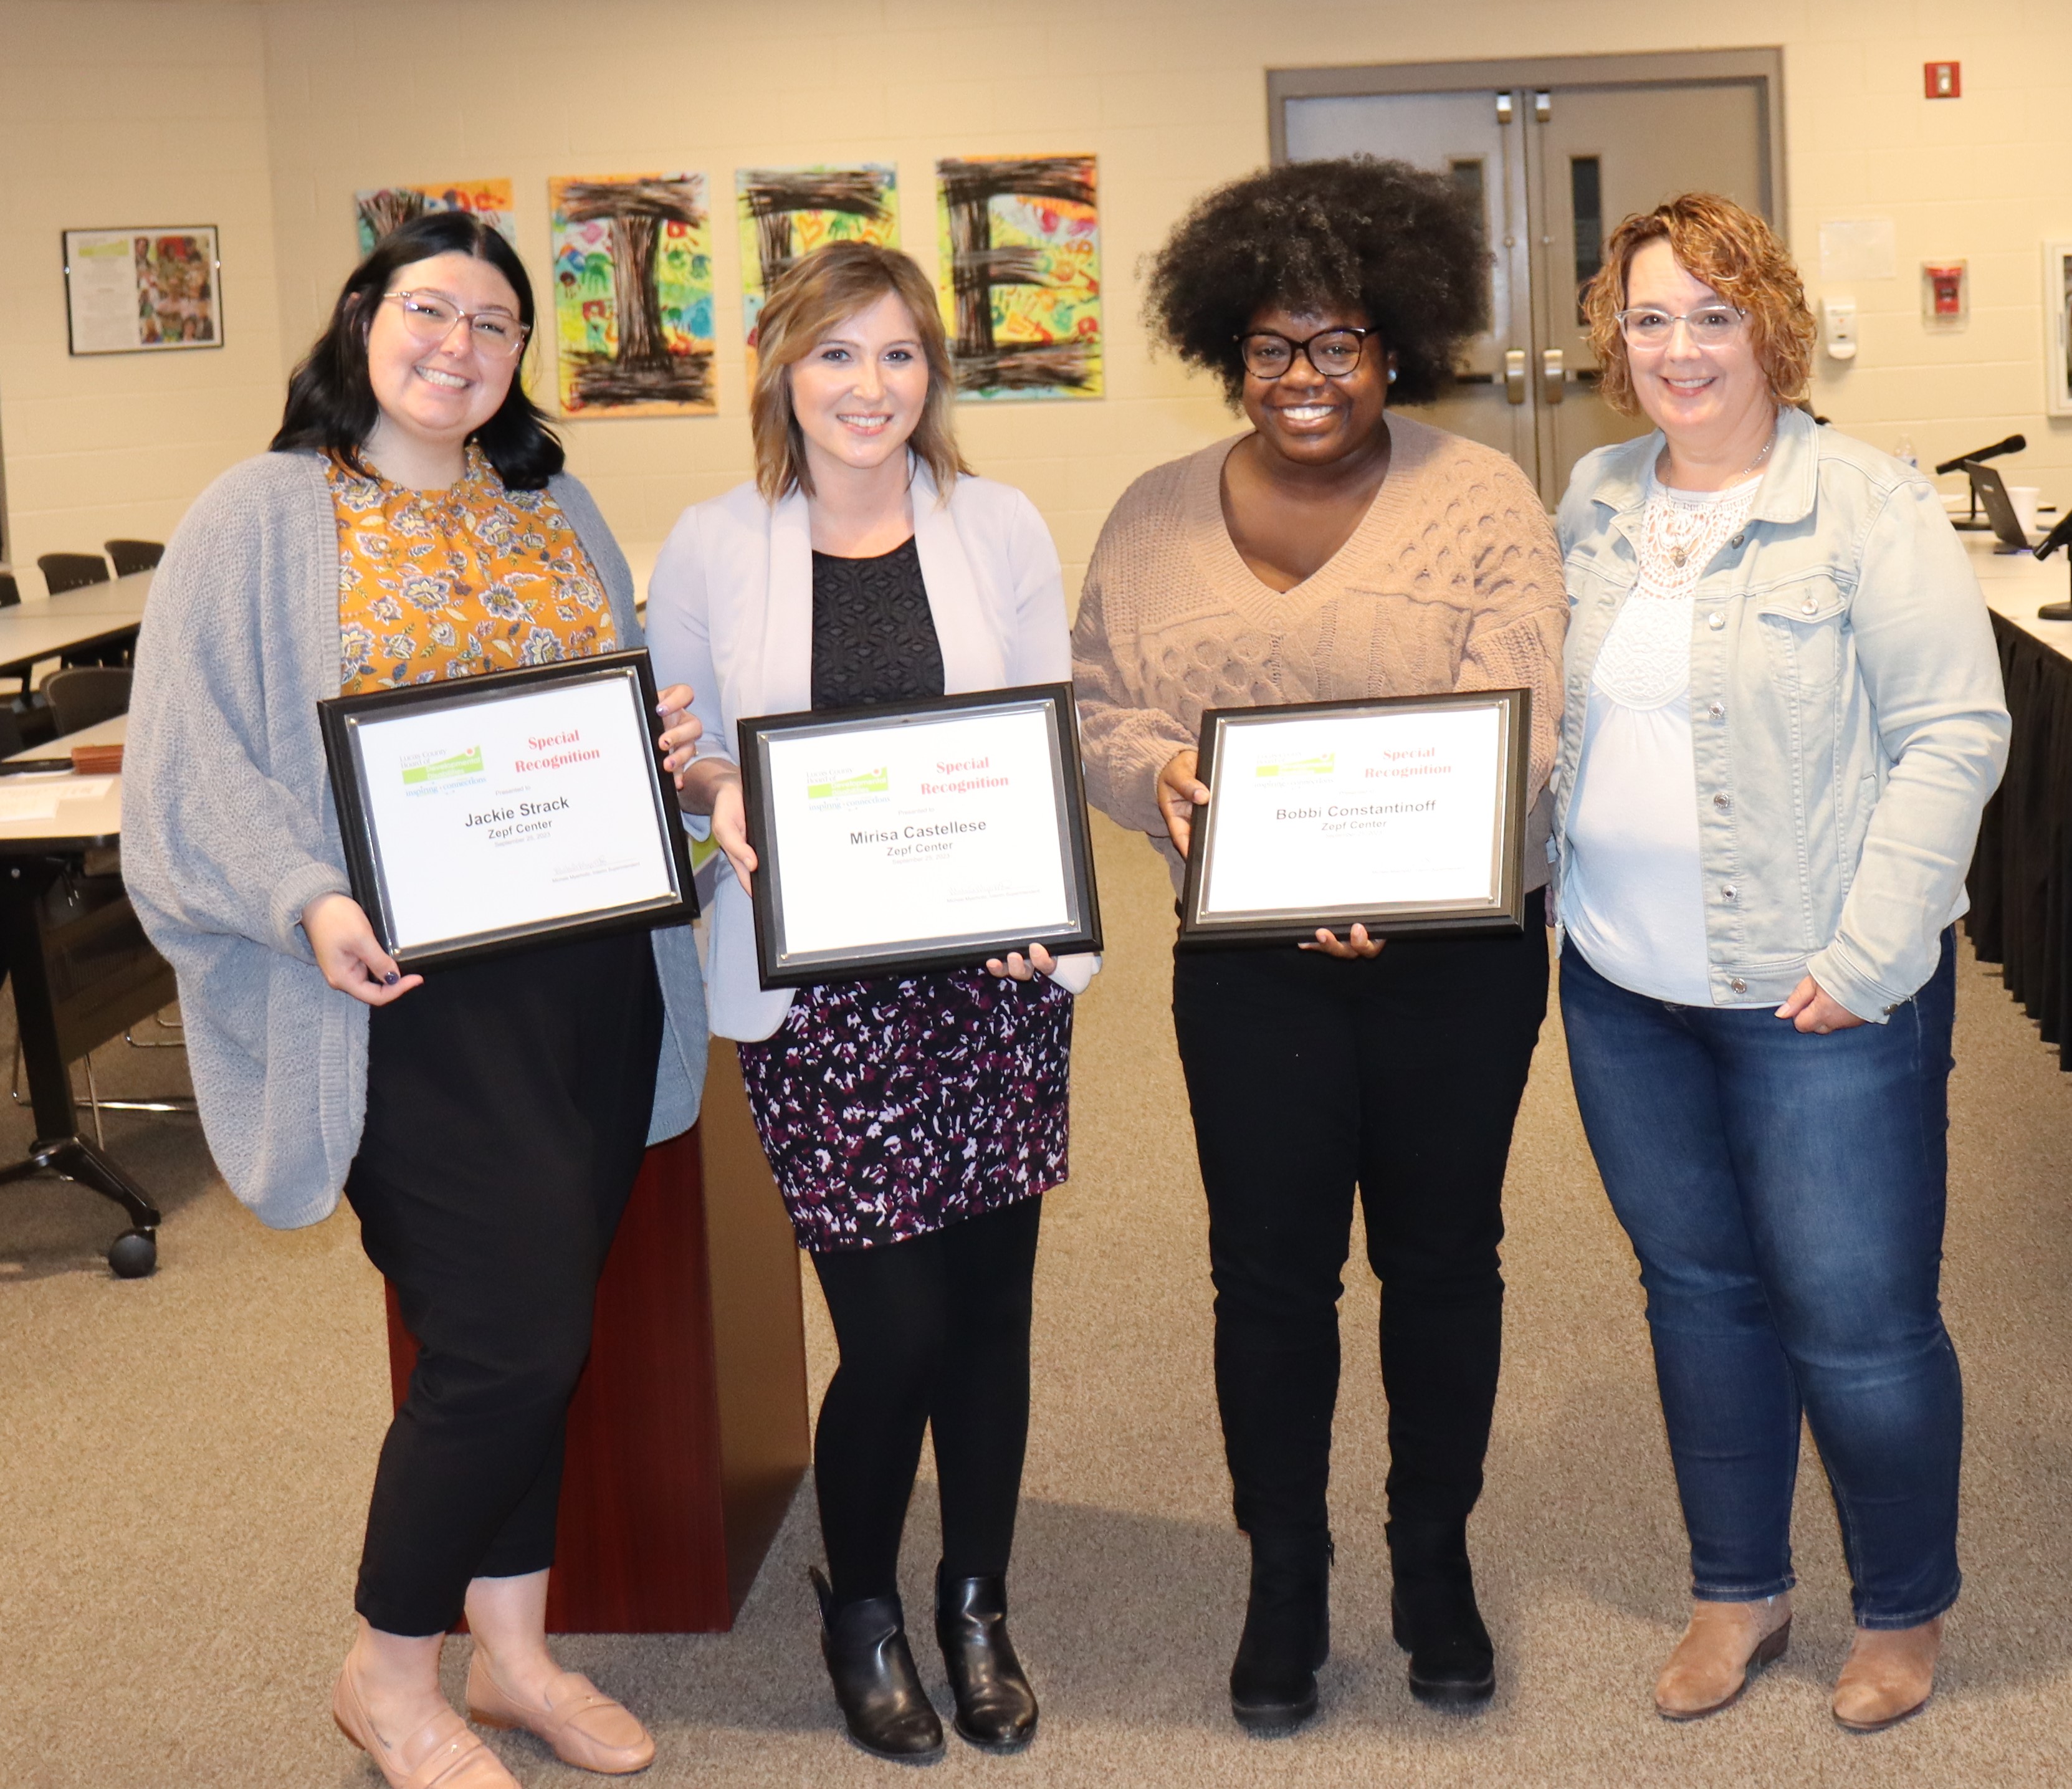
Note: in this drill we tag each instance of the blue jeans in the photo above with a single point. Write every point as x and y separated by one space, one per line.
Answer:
1784 1192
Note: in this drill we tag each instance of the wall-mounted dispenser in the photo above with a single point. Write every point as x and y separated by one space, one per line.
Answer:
1837 322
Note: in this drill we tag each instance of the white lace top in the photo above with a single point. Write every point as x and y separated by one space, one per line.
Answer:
1632 899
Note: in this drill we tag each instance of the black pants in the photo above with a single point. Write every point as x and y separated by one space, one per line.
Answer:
934 1332
507 1105
1401 1076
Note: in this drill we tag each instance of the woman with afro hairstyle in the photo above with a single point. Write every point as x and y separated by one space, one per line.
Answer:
1335 549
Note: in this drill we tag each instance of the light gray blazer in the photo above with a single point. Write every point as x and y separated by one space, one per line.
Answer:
228 832
730 613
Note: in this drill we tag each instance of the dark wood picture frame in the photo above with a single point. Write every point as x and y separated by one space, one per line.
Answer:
779 968
1299 924
339 718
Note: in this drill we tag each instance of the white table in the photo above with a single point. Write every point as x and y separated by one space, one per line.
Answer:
99 614
113 731
2017 584
120 596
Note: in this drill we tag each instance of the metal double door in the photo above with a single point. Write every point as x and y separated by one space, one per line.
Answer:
1555 165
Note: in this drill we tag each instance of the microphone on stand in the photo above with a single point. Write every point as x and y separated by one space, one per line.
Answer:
2060 536
2013 444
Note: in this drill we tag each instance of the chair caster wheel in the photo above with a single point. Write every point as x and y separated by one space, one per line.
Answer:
134 1254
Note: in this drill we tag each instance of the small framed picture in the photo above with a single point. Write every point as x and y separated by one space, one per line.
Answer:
150 290
2057 327
918 835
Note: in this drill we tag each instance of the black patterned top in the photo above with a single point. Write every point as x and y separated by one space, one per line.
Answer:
874 635
892 1107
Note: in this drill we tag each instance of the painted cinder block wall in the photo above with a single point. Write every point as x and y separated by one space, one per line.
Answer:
1170 94
116 114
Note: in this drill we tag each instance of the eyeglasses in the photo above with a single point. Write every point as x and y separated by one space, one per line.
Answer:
430 317
1335 353
1713 327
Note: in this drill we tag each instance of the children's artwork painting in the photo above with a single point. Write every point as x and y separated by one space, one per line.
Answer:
140 290
1020 240
381 209
790 211
633 294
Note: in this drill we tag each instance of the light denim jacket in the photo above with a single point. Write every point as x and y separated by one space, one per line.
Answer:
1847 723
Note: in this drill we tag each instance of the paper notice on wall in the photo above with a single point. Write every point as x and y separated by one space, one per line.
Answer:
103 271
1859 249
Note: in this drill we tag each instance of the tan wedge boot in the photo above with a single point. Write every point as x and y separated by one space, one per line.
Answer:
1725 1646
1890 1675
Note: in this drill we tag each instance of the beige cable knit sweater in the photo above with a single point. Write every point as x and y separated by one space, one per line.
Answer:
1452 581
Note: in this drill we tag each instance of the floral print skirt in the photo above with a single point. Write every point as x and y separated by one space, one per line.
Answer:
892 1107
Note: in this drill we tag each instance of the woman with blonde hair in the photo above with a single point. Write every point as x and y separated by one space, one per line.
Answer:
1784 718
911 1123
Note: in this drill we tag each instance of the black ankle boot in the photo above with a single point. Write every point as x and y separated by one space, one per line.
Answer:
1452 1662
865 1644
996 1707
1287 1632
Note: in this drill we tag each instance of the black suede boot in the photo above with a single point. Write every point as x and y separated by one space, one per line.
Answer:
996 1707
865 1644
1287 1632
1452 1662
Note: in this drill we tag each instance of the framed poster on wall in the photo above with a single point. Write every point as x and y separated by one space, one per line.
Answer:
143 291
2057 327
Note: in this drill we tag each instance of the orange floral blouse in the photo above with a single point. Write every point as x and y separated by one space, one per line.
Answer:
437 584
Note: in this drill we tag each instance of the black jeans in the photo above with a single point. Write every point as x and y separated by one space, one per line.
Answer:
934 1332
1401 1076
507 1105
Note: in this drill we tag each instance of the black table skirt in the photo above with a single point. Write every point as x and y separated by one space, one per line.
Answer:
2021 875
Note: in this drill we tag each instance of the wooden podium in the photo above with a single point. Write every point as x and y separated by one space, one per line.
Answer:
688 1435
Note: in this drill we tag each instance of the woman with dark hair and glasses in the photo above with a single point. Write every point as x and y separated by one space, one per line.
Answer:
1335 549
486 1121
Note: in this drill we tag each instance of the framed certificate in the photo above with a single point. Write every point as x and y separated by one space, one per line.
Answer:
485 813
919 834
1404 814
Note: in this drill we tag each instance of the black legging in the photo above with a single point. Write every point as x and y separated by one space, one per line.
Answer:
1400 1075
933 1331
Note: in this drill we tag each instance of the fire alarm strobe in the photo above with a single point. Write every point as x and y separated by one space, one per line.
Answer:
1943 80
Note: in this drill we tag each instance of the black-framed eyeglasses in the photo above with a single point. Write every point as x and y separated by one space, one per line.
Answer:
1335 353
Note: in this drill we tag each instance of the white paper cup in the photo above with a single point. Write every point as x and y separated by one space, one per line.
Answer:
2025 498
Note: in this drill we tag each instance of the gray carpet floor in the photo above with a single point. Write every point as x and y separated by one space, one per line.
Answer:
184 1463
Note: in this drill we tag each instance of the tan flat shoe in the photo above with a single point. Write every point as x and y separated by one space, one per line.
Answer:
447 1755
1889 1677
585 1727
1726 1644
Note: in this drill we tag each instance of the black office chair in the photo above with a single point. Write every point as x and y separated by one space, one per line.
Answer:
131 556
87 696
72 571
10 592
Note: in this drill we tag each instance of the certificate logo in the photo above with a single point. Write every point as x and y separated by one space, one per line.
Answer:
847 787
1315 769
423 769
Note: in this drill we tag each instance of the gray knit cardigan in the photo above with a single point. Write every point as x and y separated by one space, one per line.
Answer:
229 832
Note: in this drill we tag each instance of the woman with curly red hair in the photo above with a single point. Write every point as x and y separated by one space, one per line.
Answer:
1784 719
